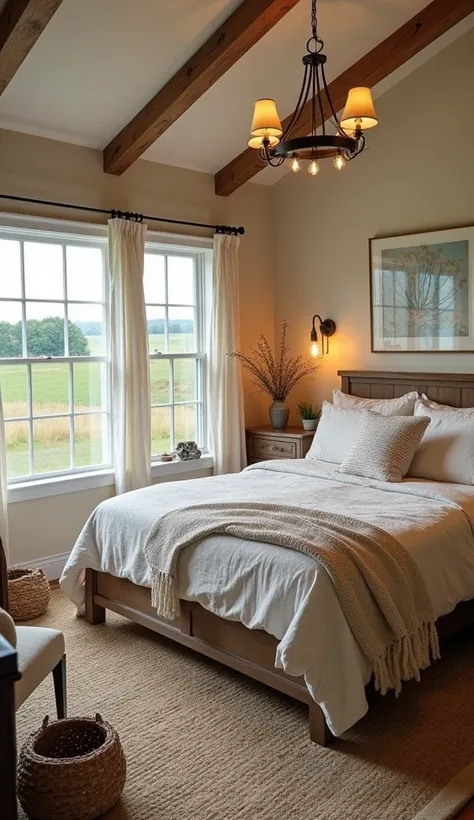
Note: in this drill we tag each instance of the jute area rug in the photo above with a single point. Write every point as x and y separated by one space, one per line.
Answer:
204 743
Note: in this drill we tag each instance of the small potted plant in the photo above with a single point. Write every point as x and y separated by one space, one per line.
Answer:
275 374
308 415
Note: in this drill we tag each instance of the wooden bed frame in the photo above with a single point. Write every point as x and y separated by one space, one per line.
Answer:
252 651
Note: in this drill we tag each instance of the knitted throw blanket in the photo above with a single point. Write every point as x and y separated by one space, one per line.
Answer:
379 587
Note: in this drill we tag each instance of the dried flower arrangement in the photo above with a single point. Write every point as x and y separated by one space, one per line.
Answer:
275 374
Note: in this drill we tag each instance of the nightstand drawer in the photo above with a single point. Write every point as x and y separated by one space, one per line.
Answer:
261 447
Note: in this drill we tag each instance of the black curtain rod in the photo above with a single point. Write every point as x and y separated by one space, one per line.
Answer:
228 229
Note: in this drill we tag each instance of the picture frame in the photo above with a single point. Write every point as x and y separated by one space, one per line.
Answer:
422 292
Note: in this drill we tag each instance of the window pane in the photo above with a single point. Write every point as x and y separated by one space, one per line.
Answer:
156 329
160 381
51 445
86 330
13 384
160 430
10 269
181 279
85 273
43 271
88 385
50 388
89 432
185 423
184 380
17 439
182 330
44 329
11 345
154 279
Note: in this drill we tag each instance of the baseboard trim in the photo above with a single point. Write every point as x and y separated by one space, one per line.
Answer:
53 565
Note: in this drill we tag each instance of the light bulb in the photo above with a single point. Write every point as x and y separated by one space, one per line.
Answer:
313 168
295 164
339 162
314 350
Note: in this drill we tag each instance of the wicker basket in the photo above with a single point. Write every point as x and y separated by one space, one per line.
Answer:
29 593
71 769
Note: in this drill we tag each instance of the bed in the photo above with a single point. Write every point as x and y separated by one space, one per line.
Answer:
251 638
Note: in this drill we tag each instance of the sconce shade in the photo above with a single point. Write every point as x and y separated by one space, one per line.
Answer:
359 110
266 122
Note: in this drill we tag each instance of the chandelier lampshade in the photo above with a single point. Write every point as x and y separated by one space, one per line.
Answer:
314 108
266 122
359 111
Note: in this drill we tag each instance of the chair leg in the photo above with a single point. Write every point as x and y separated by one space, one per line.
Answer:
60 687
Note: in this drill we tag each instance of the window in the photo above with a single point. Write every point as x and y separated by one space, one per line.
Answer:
174 296
54 371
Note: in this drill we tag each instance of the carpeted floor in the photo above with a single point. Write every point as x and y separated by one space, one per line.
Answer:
204 743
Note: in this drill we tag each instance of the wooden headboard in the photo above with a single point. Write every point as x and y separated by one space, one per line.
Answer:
455 389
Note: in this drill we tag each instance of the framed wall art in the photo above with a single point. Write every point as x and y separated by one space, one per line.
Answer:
422 292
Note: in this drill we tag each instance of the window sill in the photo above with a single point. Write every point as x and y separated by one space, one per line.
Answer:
160 469
60 485
46 487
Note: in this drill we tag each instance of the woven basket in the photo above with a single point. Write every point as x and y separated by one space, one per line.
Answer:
29 593
71 769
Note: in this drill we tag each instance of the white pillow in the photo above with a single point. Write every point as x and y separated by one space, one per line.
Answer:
335 434
403 406
384 446
447 450
424 401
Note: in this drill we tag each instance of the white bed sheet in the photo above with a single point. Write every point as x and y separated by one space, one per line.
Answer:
287 593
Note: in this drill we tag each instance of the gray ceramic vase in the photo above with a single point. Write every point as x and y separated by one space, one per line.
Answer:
279 414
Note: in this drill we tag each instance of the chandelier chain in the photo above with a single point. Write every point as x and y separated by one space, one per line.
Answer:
314 19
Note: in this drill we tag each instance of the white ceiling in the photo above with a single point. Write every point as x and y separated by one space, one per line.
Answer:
99 61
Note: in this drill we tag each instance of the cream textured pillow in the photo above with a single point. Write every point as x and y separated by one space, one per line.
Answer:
335 434
425 403
447 450
7 627
403 406
384 446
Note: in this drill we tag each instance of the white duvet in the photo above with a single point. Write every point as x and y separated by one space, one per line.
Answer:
287 593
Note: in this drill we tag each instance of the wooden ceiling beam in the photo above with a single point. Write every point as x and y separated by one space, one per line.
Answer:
21 23
407 41
245 27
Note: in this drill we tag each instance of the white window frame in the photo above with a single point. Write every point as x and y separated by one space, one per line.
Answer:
200 251
62 233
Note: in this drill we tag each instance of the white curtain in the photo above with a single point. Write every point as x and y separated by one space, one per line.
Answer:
3 483
226 406
131 406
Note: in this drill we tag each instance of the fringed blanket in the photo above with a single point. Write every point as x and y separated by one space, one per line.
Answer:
379 587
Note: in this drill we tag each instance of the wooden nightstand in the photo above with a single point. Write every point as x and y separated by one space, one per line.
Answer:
265 443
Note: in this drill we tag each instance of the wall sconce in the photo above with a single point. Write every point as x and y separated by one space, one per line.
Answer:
326 328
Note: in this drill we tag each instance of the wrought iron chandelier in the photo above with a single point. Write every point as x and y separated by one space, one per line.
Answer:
276 144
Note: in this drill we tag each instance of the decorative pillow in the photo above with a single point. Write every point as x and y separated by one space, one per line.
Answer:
335 434
425 402
403 406
384 446
447 450
7 627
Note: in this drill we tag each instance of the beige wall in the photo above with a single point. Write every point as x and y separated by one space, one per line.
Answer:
417 175
46 169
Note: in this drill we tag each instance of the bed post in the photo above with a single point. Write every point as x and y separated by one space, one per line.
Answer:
95 614
318 729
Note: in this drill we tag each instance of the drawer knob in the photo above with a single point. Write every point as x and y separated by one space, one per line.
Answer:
276 449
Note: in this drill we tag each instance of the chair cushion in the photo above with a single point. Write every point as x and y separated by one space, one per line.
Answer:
39 650
7 627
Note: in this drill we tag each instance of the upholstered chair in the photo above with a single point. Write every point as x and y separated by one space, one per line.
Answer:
40 651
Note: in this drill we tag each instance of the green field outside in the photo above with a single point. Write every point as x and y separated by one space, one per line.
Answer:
50 394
